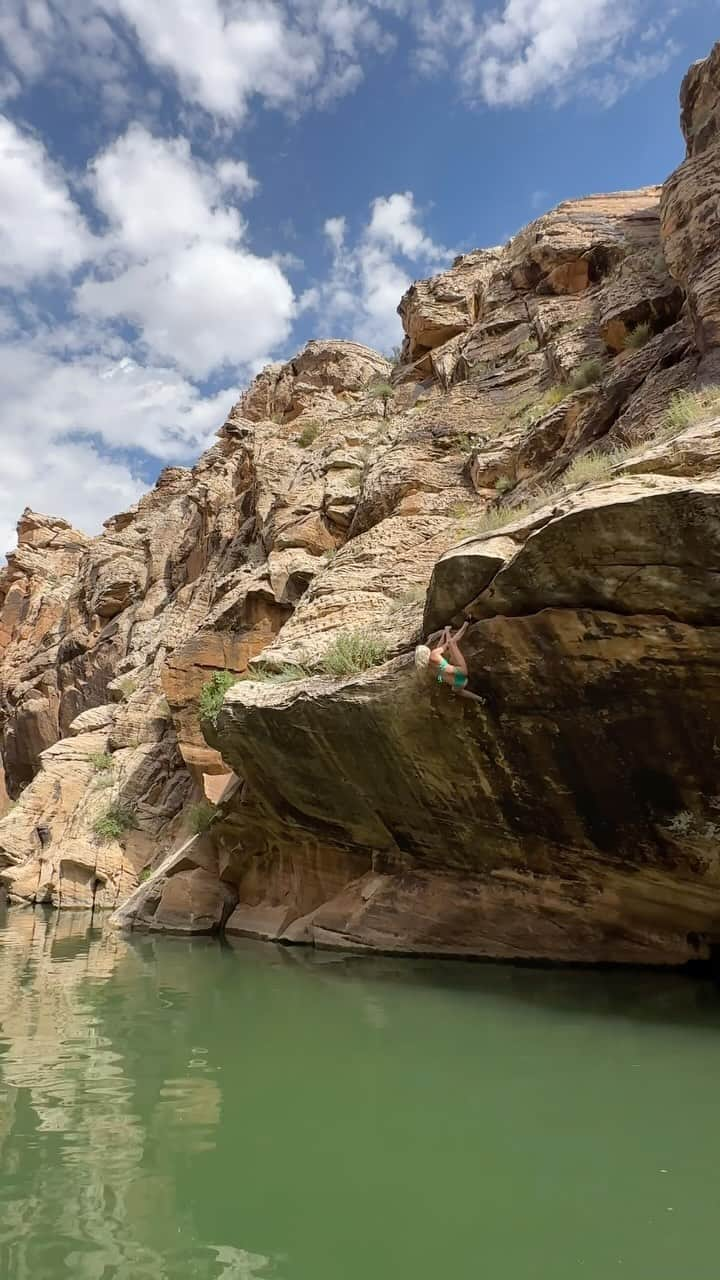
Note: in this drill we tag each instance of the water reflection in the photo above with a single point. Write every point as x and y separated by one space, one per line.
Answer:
89 1183
188 1110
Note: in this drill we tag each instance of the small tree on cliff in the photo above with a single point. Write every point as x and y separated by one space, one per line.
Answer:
382 391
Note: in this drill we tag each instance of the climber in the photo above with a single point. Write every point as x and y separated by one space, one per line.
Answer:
453 673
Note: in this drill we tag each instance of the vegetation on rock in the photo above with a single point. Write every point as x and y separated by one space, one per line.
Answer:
352 652
201 816
586 374
309 434
100 761
639 336
590 466
212 694
382 391
687 408
113 824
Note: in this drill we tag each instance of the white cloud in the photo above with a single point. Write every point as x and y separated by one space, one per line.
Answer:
157 196
361 295
203 307
41 229
176 265
393 223
524 49
70 40
335 229
80 394
65 419
220 54
74 480
224 56
234 175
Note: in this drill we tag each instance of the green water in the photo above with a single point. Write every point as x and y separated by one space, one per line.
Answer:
174 1109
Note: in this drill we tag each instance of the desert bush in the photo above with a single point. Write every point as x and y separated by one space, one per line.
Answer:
382 391
309 434
112 824
460 510
688 407
550 398
284 675
213 693
504 484
100 761
202 816
590 466
586 374
639 336
352 652
127 688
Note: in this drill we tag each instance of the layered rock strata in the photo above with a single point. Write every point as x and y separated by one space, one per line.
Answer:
529 477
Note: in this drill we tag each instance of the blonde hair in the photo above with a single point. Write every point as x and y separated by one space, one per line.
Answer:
422 657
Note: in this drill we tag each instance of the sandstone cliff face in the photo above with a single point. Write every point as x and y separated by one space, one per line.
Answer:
527 478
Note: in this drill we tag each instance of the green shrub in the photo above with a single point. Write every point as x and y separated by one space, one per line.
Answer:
114 822
202 816
497 517
538 408
382 391
352 652
460 510
504 484
285 675
688 407
145 874
101 761
308 434
464 442
590 466
639 336
212 694
586 374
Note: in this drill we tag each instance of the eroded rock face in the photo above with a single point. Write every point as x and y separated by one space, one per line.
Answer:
691 207
570 815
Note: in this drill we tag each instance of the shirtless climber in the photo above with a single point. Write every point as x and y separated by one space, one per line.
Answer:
454 672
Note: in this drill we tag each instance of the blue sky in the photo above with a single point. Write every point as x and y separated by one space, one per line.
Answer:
193 187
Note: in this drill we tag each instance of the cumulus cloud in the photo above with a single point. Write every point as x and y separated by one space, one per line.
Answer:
41 229
176 266
221 55
83 394
368 278
523 49
72 416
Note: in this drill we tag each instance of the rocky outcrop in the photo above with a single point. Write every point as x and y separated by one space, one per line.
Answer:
528 478
691 208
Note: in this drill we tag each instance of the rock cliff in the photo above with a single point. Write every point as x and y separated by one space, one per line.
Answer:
547 466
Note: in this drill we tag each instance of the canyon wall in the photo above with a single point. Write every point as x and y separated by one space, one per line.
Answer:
546 465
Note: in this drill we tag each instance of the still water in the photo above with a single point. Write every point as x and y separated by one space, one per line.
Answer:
173 1109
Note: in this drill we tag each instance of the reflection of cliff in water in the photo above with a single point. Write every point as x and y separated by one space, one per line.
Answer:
89 1190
